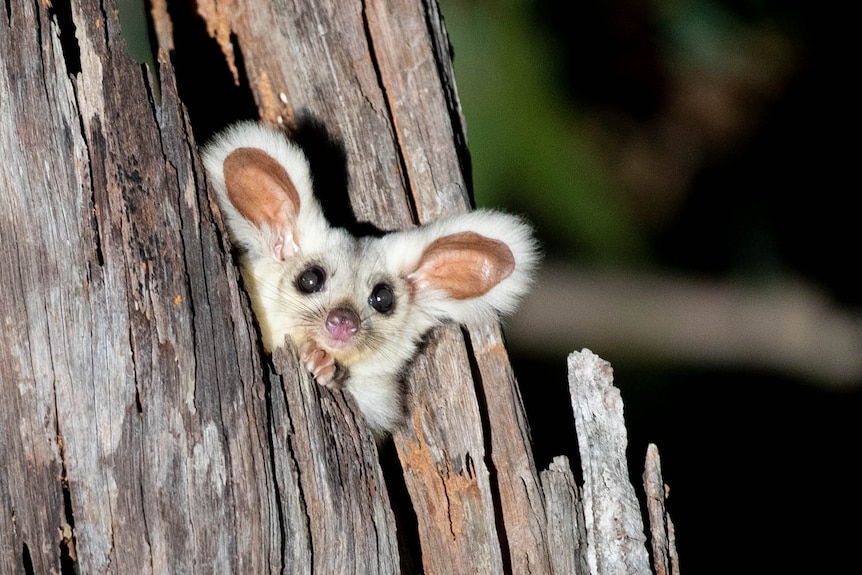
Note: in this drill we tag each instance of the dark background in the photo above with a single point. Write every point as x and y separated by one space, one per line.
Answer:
743 115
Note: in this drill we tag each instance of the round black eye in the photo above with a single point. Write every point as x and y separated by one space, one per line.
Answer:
382 299
311 280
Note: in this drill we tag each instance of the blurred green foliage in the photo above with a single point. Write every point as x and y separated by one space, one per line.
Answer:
596 120
528 149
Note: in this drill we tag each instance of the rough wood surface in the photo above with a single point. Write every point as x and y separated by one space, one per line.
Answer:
128 365
520 496
142 427
662 537
615 533
326 466
567 535
443 456
137 432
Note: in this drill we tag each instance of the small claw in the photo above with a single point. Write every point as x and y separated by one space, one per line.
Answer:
320 364
325 376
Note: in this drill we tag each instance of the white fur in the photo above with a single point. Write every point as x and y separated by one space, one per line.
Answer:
385 342
404 249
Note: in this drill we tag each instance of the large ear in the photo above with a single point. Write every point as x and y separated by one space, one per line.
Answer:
464 265
263 187
471 266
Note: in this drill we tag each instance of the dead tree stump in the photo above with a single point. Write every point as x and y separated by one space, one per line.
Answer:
142 427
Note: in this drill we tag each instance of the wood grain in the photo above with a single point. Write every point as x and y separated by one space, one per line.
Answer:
614 528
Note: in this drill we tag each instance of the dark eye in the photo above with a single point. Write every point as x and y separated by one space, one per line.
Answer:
311 280
382 299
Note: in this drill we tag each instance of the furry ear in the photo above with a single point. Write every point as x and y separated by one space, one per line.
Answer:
464 265
263 187
470 266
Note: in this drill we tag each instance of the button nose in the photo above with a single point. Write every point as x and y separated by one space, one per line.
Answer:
342 323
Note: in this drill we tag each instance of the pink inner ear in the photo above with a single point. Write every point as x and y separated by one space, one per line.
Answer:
465 265
263 193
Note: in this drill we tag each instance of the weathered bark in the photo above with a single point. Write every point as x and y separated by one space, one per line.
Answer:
142 427
662 536
135 414
614 528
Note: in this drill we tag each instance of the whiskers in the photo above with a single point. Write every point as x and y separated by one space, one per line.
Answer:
282 309
393 343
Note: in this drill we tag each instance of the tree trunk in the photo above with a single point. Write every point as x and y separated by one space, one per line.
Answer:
144 430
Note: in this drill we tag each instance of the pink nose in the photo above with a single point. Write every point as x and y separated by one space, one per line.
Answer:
342 323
